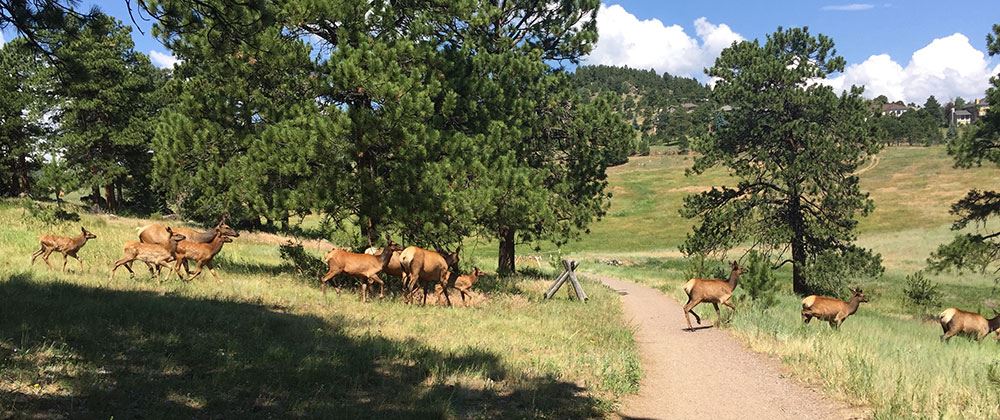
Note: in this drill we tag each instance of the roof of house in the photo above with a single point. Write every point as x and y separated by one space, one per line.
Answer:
962 113
894 107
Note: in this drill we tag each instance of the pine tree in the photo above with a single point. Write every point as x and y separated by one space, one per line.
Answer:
793 147
26 83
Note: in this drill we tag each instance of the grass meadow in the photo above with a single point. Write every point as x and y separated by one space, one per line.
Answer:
264 342
887 358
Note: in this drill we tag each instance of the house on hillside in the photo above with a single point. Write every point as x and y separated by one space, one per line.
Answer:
961 117
978 109
894 110
689 107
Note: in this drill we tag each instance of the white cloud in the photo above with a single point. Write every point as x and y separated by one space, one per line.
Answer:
625 40
2 40
852 7
162 60
947 67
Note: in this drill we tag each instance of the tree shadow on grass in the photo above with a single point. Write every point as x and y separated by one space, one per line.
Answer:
72 351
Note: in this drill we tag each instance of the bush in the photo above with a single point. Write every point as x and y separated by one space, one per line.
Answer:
49 215
700 266
921 292
302 262
758 281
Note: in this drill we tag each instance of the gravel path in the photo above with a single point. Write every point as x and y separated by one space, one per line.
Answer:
707 373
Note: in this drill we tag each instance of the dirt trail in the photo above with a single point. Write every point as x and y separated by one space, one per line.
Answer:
707 373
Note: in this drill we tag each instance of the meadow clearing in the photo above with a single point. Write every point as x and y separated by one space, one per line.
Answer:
265 342
887 357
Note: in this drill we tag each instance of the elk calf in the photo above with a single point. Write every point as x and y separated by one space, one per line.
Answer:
956 321
153 255
829 309
714 291
361 266
63 245
201 253
465 282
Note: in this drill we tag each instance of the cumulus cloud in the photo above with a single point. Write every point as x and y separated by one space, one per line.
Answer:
162 60
625 40
947 67
852 7
2 40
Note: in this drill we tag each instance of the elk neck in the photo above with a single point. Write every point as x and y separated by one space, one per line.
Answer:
204 237
994 322
734 279
385 257
853 304
80 240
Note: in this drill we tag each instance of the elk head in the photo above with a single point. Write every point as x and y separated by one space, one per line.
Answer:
857 293
225 229
86 233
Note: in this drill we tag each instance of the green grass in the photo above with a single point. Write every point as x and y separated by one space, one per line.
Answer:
265 343
887 357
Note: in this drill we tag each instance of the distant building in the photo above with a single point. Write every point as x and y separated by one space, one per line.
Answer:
961 116
978 109
894 110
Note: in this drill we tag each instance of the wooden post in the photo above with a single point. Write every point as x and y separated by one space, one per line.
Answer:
570 275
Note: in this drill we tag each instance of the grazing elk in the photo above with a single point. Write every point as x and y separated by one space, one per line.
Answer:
201 253
154 255
157 234
64 245
428 269
361 266
956 321
714 291
832 310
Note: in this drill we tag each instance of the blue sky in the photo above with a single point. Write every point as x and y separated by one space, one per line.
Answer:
905 49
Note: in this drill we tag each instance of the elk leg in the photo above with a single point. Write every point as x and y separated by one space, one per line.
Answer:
79 261
45 257
806 317
463 297
364 291
119 263
64 263
326 278
35 254
718 315
948 335
688 312
444 288
730 305
381 289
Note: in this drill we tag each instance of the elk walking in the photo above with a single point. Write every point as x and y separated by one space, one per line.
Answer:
156 233
832 310
67 246
714 291
465 282
361 266
956 321
201 253
427 268
154 255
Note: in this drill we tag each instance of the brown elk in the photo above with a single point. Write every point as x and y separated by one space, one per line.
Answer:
154 255
202 254
465 282
67 246
714 291
956 321
157 234
428 269
832 310
394 268
361 266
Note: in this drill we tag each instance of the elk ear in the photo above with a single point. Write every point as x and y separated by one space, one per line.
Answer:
83 229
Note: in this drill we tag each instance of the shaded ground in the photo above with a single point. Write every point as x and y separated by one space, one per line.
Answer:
707 373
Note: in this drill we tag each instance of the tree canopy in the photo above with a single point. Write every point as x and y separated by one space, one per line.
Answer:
793 147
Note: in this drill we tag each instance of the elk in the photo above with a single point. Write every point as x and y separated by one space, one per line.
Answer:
465 282
394 268
832 310
427 268
157 234
201 253
714 291
956 321
154 255
361 266
67 246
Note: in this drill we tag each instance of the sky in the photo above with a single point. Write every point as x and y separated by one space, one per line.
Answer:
904 49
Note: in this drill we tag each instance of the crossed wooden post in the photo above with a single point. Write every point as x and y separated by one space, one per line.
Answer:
570 275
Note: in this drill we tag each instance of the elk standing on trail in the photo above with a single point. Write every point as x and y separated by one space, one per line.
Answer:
428 269
833 310
956 321
63 245
361 266
714 291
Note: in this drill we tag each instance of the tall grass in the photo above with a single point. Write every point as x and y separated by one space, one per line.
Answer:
266 343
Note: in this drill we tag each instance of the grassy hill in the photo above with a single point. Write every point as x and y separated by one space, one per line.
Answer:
886 357
265 342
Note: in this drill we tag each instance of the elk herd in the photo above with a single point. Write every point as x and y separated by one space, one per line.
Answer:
717 291
424 270
174 248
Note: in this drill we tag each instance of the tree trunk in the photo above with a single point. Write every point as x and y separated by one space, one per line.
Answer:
109 192
23 182
505 262
799 285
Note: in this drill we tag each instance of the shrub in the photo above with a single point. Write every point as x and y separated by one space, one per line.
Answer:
49 215
921 292
300 261
700 266
758 281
